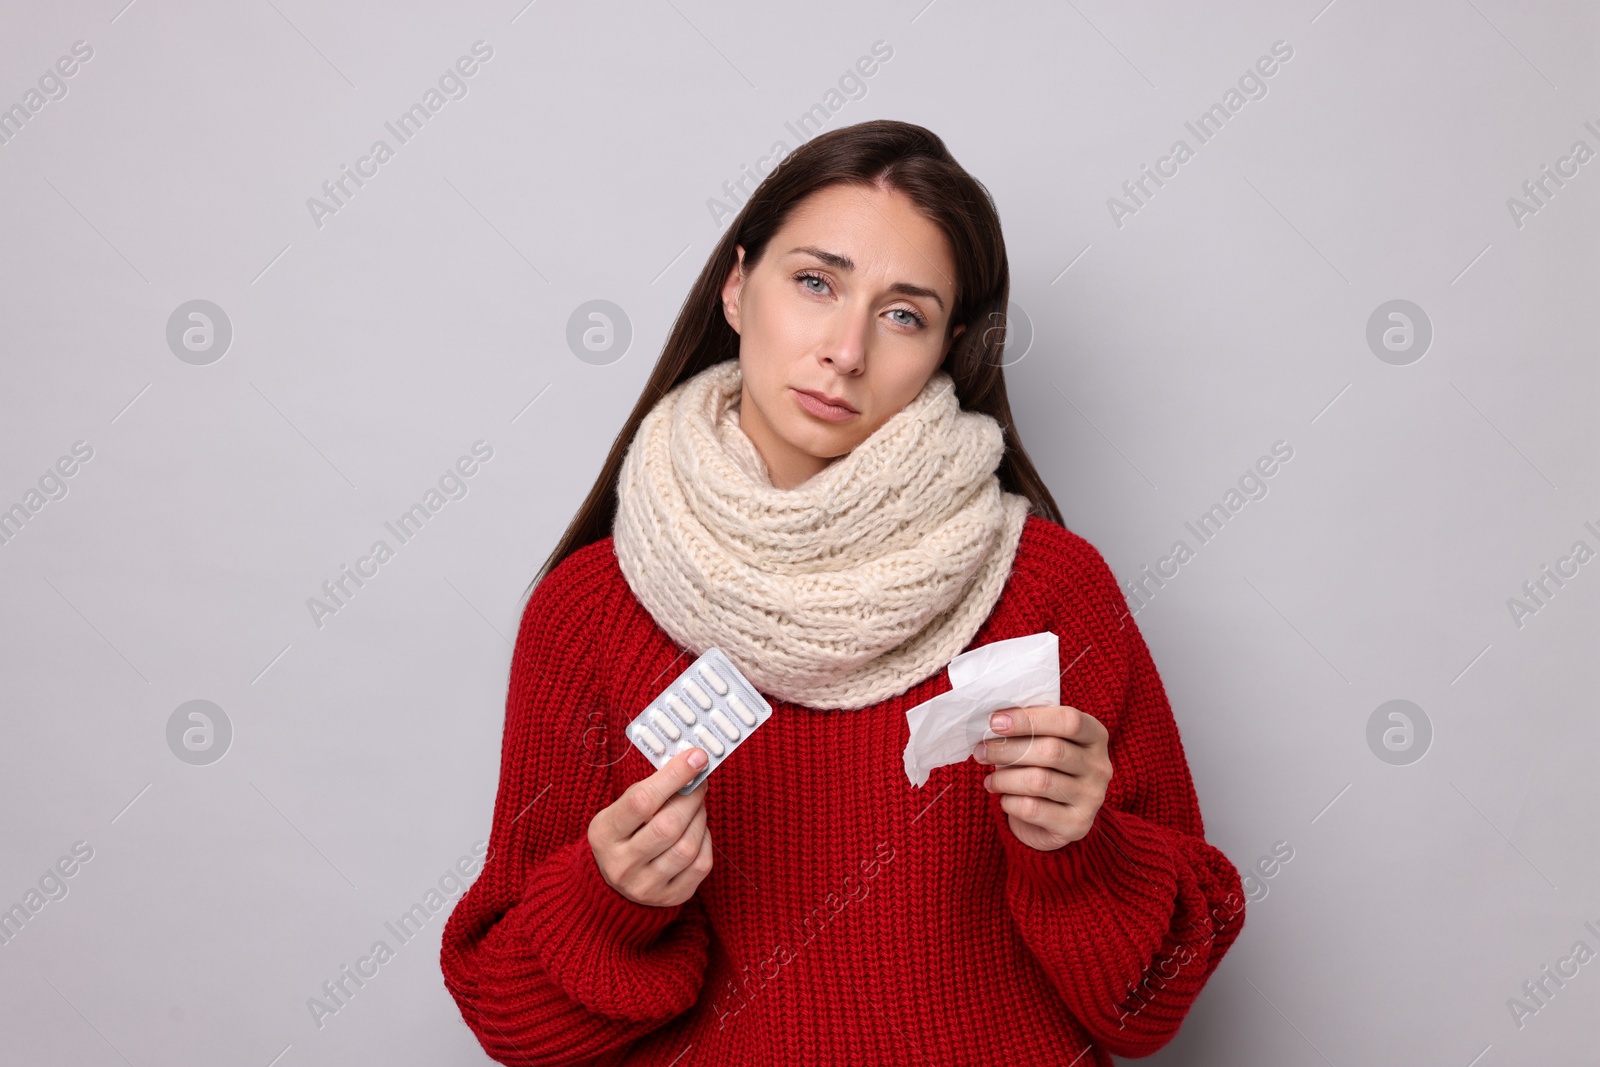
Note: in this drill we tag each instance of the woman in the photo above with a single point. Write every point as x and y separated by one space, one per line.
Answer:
822 479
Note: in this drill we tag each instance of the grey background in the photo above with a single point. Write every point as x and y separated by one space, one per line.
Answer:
432 311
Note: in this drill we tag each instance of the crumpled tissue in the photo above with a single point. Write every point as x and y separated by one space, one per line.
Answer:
1022 672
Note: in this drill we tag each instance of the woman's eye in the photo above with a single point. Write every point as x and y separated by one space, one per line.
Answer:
912 317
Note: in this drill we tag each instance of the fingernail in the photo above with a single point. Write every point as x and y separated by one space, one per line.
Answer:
1000 723
697 758
980 751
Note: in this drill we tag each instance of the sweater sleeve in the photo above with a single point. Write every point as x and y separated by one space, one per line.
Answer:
547 963
1128 922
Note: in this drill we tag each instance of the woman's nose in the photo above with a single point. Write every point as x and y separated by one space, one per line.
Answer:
846 344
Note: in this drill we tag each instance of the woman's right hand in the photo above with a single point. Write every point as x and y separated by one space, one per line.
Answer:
651 844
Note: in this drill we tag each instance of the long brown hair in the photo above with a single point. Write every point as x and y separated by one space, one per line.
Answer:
893 155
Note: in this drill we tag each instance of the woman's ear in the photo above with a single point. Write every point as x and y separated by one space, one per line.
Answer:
960 329
731 288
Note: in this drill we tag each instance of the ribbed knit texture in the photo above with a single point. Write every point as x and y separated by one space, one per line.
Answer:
837 593
849 918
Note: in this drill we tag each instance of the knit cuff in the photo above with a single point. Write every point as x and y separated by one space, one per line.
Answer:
1119 848
604 949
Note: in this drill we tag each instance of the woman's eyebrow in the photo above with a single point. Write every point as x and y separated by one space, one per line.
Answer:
845 263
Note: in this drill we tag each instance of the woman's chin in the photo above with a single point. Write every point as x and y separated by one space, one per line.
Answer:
823 444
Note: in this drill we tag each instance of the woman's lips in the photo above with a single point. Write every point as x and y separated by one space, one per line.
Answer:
822 409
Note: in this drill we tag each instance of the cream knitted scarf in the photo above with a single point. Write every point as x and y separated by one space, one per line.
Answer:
840 592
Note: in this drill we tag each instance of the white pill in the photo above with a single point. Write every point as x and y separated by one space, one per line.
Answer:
713 746
720 721
740 710
665 725
649 738
714 678
697 693
681 710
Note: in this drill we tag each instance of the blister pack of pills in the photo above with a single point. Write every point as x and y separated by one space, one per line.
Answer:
710 706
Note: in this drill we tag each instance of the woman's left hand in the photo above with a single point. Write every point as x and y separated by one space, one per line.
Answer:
1052 769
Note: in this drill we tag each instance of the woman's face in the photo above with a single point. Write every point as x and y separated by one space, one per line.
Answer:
851 300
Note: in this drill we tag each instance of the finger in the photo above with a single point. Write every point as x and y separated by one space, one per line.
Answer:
1062 820
646 796
667 825
1056 721
681 851
1031 781
702 861
1039 751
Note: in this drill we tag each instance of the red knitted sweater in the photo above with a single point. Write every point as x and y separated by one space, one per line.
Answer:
849 917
